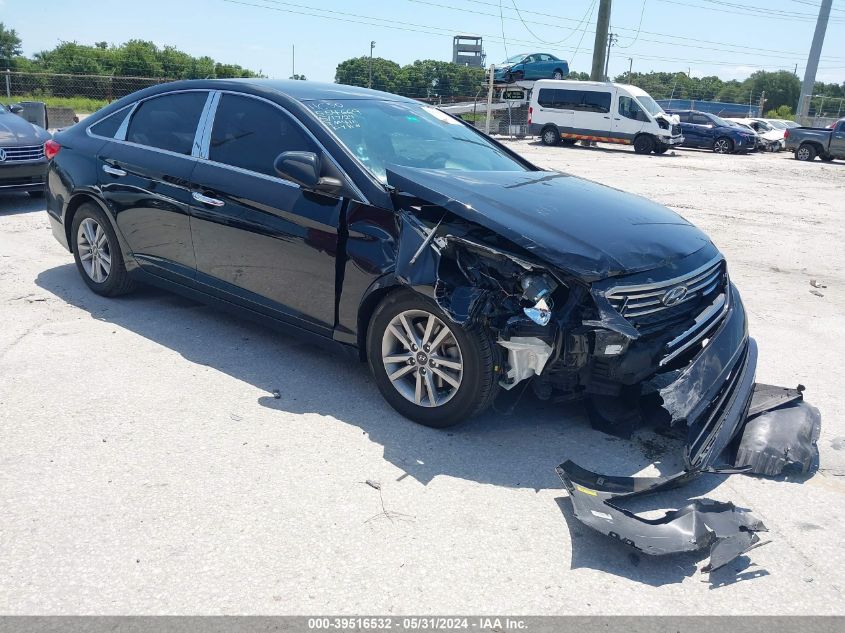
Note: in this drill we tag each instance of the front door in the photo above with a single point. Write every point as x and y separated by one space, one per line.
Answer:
837 140
260 240
144 175
628 118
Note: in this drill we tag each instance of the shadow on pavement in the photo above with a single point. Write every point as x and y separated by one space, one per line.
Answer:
519 450
15 203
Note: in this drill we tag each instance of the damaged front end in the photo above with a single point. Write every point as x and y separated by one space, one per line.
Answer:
641 331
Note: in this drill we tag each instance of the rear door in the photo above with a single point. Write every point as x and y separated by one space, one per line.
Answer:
259 240
144 174
593 114
553 107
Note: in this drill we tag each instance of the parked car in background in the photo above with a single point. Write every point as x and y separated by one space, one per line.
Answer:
708 131
809 142
770 138
531 66
782 124
23 165
569 111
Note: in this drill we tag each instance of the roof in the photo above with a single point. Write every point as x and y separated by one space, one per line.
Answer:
297 90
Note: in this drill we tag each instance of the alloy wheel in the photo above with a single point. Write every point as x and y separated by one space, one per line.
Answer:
722 146
94 250
549 137
422 358
803 153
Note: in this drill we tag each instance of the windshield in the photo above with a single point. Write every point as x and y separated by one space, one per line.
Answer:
650 105
719 121
384 133
777 124
790 124
516 58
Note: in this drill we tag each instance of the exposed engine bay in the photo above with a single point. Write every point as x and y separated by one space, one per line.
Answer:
666 341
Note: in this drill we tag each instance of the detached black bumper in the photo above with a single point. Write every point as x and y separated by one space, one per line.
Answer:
23 177
716 396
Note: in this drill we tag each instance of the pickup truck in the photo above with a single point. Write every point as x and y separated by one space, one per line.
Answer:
809 142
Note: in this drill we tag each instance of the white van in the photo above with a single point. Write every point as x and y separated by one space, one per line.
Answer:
570 111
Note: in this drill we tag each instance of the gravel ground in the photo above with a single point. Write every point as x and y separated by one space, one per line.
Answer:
146 466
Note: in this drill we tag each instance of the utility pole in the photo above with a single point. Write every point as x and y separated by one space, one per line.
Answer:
489 99
611 40
601 46
762 104
293 61
630 67
813 60
370 81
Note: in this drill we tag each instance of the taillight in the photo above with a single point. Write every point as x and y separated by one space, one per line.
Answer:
530 112
786 134
51 148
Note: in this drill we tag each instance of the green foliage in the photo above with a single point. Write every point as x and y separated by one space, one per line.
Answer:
135 58
80 105
10 45
583 76
423 79
298 77
783 112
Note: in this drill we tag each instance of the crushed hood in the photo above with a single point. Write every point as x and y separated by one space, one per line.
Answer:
584 228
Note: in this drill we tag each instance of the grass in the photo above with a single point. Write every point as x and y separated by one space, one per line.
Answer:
80 105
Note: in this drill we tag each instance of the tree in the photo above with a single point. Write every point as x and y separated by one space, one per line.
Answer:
781 87
10 45
298 77
783 112
356 72
580 76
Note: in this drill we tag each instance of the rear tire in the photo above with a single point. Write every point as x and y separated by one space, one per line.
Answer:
805 153
550 136
723 145
97 252
469 349
558 74
643 144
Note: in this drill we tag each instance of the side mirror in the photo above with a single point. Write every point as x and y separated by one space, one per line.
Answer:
15 108
306 170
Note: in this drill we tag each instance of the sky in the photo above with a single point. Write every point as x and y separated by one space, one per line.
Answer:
727 38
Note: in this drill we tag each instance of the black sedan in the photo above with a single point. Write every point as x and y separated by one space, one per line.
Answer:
390 229
23 165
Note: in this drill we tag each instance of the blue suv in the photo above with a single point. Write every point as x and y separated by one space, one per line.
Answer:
705 130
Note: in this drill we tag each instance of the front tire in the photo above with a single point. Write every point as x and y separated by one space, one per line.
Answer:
661 149
428 368
805 153
643 144
558 74
723 145
97 252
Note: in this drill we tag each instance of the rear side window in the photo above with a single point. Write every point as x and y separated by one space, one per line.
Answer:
168 122
684 117
109 126
596 102
250 134
583 100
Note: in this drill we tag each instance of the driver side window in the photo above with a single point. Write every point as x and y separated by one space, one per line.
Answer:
250 134
630 109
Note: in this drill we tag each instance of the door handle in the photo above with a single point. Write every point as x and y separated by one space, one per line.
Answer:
214 202
114 171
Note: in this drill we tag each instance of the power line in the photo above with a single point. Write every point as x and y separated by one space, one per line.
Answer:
791 55
440 31
584 31
571 32
757 14
637 36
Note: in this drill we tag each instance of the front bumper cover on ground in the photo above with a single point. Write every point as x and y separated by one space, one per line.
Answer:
718 399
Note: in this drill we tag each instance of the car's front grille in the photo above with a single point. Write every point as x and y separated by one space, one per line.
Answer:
648 305
22 154
676 129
